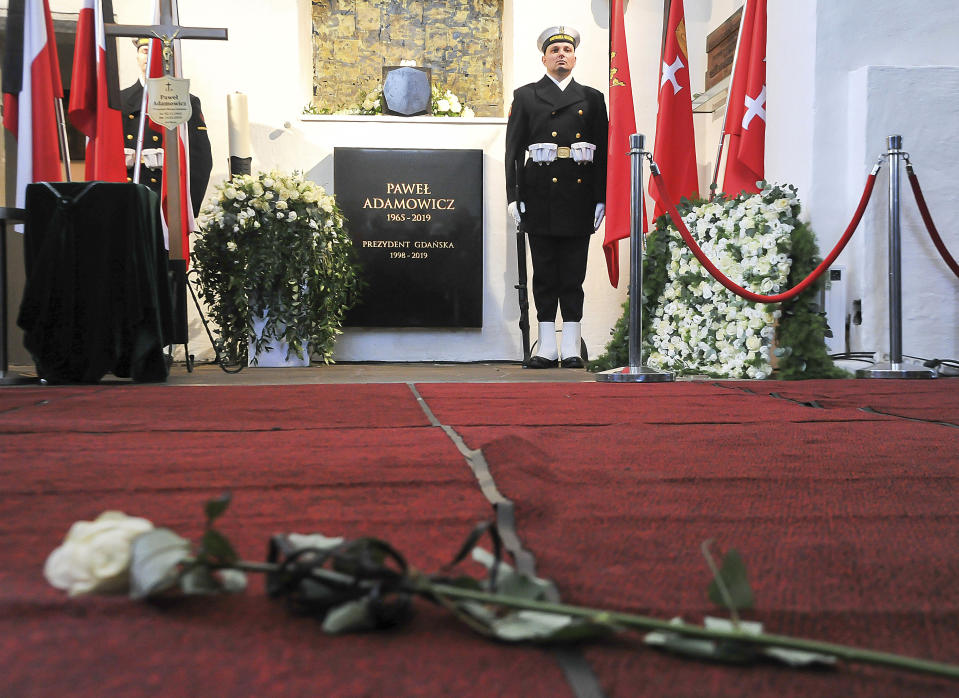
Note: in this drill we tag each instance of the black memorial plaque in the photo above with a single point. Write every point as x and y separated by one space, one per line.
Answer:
416 218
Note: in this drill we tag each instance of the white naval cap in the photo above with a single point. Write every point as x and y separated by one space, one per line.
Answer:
554 35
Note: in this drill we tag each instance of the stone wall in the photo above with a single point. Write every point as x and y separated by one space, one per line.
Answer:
460 40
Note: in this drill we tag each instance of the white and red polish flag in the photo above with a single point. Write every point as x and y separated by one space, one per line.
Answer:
94 95
675 148
31 83
746 118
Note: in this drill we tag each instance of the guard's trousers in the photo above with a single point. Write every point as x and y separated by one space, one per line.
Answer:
559 270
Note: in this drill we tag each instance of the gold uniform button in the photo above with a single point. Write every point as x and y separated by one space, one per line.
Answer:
129 179
578 136
153 179
554 134
555 180
155 138
554 114
130 116
579 181
129 137
580 112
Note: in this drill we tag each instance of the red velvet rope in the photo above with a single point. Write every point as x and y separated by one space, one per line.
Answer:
927 219
739 290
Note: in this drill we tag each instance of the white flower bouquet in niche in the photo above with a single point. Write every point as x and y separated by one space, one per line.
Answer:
442 102
445 103
273 247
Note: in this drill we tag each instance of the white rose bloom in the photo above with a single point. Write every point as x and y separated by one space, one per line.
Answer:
95 555
442 105
292 215
231 246
229 193
456 107
468 113
281 205
268 182
753 343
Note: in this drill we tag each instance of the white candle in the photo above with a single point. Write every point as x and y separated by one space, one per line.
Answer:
239 125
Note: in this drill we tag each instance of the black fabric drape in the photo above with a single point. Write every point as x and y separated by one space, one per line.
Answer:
97 296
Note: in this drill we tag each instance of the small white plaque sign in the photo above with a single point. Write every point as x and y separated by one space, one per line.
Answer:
169 100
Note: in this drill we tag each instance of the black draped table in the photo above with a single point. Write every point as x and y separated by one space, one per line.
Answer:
97 298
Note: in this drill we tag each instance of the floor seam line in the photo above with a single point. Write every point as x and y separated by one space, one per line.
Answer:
579 674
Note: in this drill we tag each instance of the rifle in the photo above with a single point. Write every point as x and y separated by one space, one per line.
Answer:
521 276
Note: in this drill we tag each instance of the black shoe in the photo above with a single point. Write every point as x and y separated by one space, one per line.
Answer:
541 362
573 362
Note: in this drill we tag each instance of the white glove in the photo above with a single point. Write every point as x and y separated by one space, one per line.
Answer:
582 152
542 153
153 158
599 215
130 155
515 208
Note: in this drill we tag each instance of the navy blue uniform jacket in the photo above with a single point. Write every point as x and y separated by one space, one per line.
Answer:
560 197
201 155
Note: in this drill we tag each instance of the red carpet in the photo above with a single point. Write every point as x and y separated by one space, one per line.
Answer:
846 519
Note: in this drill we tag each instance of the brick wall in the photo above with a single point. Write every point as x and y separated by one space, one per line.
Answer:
460 40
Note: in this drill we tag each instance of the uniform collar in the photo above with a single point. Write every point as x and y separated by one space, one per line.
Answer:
561 84
549 92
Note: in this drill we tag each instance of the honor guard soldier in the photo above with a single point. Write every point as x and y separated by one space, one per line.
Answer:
556 187
151 167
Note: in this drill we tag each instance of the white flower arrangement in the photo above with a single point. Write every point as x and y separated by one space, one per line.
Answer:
275 241
448 104
700 326
95 555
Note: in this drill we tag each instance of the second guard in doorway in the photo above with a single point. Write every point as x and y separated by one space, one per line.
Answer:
151 168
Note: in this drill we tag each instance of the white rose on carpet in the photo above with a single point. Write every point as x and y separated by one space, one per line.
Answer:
95 555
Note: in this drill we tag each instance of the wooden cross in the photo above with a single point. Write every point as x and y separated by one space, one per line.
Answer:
167 31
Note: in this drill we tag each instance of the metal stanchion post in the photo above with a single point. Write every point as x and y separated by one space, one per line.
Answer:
635 372
895 367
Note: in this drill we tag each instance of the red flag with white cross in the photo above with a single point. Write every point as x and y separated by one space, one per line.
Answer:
746 115
675 148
